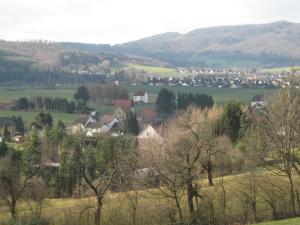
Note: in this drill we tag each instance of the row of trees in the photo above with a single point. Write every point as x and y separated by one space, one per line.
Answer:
107 93
166 101
46 104
184 100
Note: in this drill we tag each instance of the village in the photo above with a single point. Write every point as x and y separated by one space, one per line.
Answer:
214 78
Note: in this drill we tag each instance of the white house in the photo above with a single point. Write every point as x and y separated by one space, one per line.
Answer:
140 97
149 133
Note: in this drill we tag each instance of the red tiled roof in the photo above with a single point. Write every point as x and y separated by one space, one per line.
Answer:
148 114
123 103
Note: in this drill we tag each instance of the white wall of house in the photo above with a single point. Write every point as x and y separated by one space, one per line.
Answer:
149 132
143 99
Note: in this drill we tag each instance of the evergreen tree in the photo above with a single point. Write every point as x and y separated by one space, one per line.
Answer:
165 102
19 124
43 121
6 134
3 149
232 119
22 104
131 123
82 94
199 100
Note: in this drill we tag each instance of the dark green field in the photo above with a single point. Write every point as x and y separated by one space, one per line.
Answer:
220 95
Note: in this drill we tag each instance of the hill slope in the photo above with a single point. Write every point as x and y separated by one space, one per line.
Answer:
273 44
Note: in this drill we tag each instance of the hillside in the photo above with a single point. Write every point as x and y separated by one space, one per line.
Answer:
247 46
264 45
40 61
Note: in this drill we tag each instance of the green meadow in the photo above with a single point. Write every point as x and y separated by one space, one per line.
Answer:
153 69
279 69
295 221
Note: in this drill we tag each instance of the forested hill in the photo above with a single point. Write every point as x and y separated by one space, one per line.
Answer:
39 61
264 45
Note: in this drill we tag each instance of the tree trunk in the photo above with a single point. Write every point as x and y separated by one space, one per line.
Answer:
292 195
298 201
179 208
13 210
190 195
98 211
209 173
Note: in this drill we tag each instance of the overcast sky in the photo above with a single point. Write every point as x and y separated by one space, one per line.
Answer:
118 21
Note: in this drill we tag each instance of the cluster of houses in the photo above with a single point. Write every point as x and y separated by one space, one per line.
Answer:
114 124
274 81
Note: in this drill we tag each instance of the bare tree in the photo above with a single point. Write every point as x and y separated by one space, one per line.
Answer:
162 158
279 137
12 181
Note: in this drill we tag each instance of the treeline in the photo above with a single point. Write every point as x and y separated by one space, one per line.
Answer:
46 104
199 100
166 101
107 93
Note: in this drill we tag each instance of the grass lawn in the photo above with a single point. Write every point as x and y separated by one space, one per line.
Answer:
154 69
28 117
295 221
117 204
220 95
13 93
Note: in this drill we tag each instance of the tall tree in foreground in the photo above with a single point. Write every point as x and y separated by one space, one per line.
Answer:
279 137
103 163
161 155
17 168
165 102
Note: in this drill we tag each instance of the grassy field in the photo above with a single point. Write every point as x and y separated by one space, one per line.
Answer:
117 206
279 69
154 69
295 221
220 95
29 117
11 94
